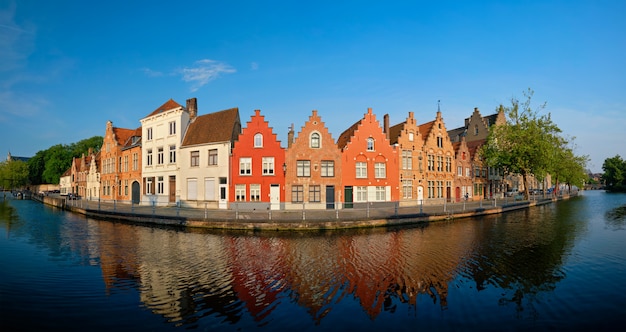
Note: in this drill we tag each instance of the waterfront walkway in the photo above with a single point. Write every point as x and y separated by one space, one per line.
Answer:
364 215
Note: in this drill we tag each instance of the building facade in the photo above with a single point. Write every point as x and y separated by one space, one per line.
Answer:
313 167
408 139
439 160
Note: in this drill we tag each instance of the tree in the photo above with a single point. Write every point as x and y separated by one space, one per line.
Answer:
527 144
614 174
13 174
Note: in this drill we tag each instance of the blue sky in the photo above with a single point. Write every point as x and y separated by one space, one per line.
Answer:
66 67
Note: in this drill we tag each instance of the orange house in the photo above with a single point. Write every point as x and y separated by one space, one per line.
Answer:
257 167
130 173
370 170
111 161
439 159
313 172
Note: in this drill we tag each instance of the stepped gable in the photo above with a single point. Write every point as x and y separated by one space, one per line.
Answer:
212 127
168 105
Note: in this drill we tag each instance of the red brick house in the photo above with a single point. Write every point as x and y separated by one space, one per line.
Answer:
313 167
257 167
439 161
369 170
463 181
111 161
130 173
407 137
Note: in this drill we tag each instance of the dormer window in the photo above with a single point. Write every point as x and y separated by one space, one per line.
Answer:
370 144
411 136
258 140
315 141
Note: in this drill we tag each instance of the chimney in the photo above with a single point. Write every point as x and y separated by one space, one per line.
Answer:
192 107
290 135
386 124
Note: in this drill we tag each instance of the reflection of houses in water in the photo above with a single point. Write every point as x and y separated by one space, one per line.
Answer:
119 263
258 275
182 278
314 274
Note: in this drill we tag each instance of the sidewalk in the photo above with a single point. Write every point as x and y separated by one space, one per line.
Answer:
366 215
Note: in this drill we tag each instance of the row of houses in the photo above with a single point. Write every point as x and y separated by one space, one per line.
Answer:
179 157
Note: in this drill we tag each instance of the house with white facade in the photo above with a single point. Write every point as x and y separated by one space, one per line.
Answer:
162 133
93 177
204 159
65 182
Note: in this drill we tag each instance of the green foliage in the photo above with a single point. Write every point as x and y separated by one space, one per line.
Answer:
48 165
614 175
13 174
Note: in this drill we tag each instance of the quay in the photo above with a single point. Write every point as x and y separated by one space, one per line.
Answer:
369 216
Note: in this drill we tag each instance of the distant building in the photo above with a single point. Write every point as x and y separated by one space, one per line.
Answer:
15 158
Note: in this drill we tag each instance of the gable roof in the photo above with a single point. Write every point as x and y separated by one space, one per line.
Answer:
394 132
130 142
212 127
122 135
474 146
168 105
426 128
344 138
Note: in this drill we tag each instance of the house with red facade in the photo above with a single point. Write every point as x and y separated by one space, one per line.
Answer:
130 172
313 167
257 167
463 181
369 170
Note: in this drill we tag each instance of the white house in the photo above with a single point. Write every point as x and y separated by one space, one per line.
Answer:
205 159
162 133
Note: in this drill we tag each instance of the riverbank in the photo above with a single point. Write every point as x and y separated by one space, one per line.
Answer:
290 220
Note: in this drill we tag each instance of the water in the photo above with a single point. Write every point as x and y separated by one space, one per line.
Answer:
555 267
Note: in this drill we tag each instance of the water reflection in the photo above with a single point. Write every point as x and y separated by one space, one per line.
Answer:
186 276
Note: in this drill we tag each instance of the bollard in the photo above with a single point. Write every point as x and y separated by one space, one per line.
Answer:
303 212
114 202
206 212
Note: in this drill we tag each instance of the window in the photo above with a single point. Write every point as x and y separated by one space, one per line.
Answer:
370 144
126 163
160 185
255 192
135 161
245 166
315 194
303 168
297 194
431 189
149 134
149 185
468 172
268 165
126 187
160 156
475 130
315 141
407 188
361 194
328 168
440 142
172 154
439 189
380 170
463 155
361 170
459 171
119 164
195 158
449 164
240 192
439 164
431 162
213 157
411 136
407 159
258 141
381 193
172 127
149 161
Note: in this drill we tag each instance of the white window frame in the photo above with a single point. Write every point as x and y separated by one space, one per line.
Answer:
258 140
380 170
361 170
267 167
245 166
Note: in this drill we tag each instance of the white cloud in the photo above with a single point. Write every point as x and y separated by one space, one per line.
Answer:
204 71
151 73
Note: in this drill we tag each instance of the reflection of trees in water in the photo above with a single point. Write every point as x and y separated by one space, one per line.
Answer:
523 252
616 218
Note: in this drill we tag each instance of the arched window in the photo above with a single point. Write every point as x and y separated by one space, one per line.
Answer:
258 140
370 144
315 141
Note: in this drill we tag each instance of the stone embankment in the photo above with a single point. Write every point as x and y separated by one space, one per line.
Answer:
290 220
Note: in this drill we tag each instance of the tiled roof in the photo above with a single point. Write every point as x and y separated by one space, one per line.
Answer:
394 132
425 128
122 135
170 104
474 146
129 142
212 127
344 138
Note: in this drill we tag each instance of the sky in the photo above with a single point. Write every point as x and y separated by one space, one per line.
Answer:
67 67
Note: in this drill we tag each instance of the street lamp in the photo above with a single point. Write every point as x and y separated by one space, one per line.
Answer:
284 168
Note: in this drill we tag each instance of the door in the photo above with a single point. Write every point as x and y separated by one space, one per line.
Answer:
223 197
275 196
172 189
330 197
420 195
348 198
458 194
135 192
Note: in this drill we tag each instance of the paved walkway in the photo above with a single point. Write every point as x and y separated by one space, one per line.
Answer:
363 215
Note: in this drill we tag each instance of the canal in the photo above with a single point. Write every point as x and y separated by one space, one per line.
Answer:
558 266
